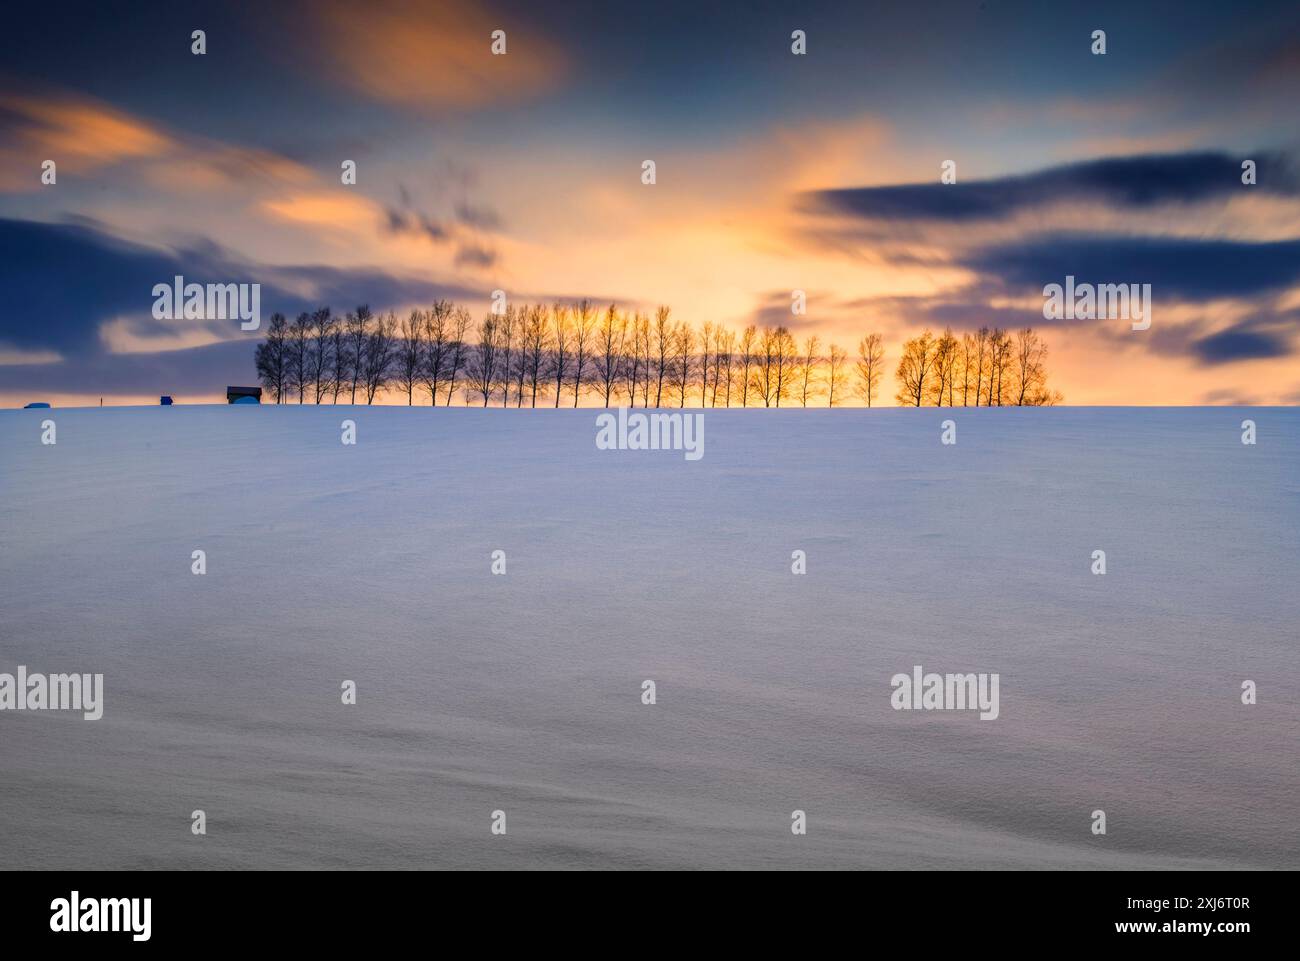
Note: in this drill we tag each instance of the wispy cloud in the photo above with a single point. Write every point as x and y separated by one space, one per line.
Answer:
79 134
431 57
46 267
1135 183
85 136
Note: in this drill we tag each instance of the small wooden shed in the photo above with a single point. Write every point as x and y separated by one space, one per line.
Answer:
243 395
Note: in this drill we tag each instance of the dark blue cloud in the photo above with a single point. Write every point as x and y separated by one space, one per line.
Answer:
1177 268
1266 335
1184 270
62 281
1237 343
343 288
1120 182
1269 333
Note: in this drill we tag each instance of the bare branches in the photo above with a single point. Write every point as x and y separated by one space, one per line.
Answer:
871 366
746 362
583 323
537 346
357 325
914 367
610 360
683 361
663 341
409 356
808 366
483 361
271 358
460 321
835 373
379 354
523 352
561 346
437 354
319 362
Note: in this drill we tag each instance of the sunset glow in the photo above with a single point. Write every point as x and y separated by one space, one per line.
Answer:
522 173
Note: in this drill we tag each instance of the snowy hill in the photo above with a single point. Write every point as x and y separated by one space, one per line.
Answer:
522 691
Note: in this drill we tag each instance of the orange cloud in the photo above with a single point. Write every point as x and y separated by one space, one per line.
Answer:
325 209
77 134
433 56
211 165
82 135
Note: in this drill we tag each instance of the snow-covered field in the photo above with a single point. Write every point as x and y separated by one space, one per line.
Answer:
522 692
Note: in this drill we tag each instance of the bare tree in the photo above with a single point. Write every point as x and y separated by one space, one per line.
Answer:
914 367
271 357
319 365
536 346
943 367
609 351
483 361
966 366
561 342
707 361
410 355
725 365
341 359
647 362
1030 371
663 345
437 347
521 355
713 376
785 361
774 361
835 372
632 357
811 360
583 321
999 365
683 360
746 361
460 321
871 366
981 358
507 323
379 354
358 329
299 350
787 364
765 366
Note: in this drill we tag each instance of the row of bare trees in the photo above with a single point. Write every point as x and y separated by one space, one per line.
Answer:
321 356
534 354
991 368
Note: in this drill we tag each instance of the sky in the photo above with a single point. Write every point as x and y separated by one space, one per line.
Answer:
775 172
